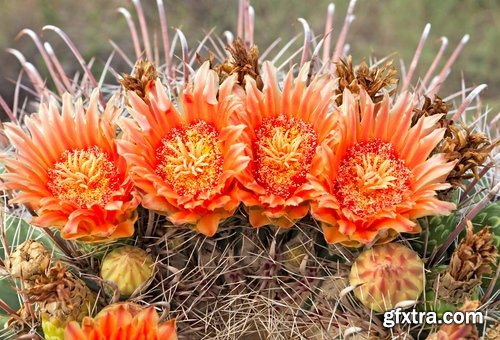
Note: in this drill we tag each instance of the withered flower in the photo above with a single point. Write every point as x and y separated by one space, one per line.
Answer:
144 73
471 149
469 262
242 62
434 107
493 332
61 298
56 285
29 260
22 321
371 79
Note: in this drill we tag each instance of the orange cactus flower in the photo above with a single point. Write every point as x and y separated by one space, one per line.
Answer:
122 323
67 169
380 177
289 133
185 162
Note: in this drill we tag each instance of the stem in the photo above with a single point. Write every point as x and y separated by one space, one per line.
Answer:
150 225
430 71
7 308
307 41
435 86
60 243
491 286
133 31
339 47
165 39
144 28
473 183
328 32
416 57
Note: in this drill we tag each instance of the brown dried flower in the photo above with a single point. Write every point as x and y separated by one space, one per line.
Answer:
241 61
493 333
473 258
60 295
55 286
144 73
23 320
474 255
28 261
371 79
470 150
430 108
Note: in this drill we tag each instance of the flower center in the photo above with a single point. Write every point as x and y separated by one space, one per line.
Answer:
85 177
371 177
189 159
283 152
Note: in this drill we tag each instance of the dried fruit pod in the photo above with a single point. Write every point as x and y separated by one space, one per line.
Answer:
61 297
128 267
57 314
493 332
29 260
387 274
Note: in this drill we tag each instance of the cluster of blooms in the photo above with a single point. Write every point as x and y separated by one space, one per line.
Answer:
365 170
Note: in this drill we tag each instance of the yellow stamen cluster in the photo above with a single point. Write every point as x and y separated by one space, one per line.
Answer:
283 152
85 177
190 159
371 178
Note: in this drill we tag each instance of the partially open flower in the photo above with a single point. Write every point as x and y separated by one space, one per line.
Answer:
289 133
185 161
380 178
68 171
124 323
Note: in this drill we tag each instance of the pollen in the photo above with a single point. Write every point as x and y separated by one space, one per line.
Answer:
189 159
371 178
283 152
86 177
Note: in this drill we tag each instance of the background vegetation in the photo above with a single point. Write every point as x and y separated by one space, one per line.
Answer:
381 27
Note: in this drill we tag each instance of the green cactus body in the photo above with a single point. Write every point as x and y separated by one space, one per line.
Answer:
435 230
490 217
